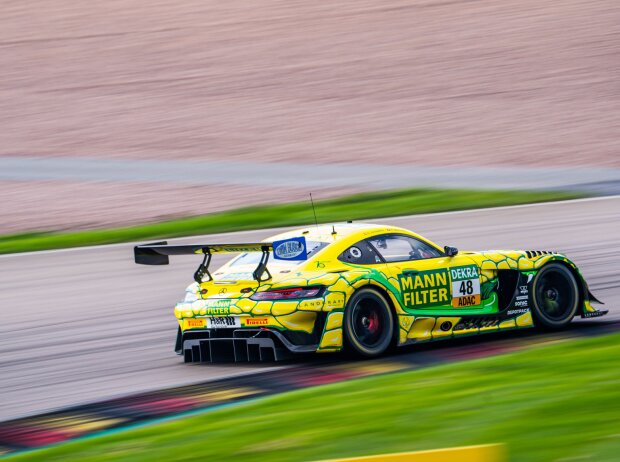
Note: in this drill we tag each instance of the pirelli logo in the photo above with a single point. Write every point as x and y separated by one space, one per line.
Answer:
194 323
256 321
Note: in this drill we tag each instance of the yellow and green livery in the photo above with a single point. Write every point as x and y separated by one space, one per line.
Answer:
364 288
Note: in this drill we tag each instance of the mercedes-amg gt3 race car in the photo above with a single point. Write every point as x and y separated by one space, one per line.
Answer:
364 288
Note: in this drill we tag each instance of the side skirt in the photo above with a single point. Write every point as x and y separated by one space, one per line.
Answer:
445 328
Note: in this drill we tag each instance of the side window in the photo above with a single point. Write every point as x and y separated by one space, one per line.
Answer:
396 247
360 254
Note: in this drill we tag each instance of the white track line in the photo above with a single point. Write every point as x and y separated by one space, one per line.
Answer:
386 219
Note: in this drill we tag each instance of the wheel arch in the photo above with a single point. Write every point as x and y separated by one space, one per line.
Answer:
542 318
584 292
389 297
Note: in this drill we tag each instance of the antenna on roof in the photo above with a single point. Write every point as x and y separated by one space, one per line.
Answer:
314 212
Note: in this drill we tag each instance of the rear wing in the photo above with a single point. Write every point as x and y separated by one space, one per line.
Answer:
157 253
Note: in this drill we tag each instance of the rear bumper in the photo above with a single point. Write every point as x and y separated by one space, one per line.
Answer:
237 345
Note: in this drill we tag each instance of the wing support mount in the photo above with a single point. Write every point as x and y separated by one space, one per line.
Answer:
203 269
262 266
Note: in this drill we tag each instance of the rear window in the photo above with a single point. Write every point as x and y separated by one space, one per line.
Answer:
252 258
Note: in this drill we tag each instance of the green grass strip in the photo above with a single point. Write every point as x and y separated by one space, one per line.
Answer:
553 403
353 207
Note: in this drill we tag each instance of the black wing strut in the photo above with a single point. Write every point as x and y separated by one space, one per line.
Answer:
262 266
203 269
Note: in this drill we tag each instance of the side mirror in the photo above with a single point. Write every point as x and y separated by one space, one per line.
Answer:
450 251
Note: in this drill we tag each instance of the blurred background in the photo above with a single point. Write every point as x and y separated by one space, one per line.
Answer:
122 98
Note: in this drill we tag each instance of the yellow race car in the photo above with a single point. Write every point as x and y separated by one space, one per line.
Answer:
364 288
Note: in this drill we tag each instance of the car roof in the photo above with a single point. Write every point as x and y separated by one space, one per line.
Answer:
324 232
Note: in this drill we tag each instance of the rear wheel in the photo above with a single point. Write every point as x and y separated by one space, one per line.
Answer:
368 323
555 296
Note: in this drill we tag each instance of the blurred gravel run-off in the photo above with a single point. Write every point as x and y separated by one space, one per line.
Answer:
482 82
525 83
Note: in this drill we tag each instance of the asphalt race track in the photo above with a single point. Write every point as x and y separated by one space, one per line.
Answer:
88 324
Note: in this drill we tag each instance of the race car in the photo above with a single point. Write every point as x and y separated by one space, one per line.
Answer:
363 288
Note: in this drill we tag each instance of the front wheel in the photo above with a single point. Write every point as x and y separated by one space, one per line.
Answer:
368 323
555 296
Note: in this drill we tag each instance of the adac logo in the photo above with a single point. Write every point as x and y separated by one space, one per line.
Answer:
290 249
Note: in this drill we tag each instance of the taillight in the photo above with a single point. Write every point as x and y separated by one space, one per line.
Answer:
287 294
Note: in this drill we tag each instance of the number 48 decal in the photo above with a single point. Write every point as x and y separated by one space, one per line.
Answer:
465 286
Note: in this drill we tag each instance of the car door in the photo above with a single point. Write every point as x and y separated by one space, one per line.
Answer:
427 278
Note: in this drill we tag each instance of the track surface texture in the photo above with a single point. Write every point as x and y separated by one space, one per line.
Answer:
86 324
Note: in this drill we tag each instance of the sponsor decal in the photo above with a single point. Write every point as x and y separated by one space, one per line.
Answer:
476 323
425 288
467 300
290 249
216 307
231 249
465 286
523 290
333 300
217 311
195 323
217 303
522 297
223 322
256 321
521 303
514 312
312 304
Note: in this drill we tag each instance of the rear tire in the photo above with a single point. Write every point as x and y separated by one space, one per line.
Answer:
555 296
368 323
